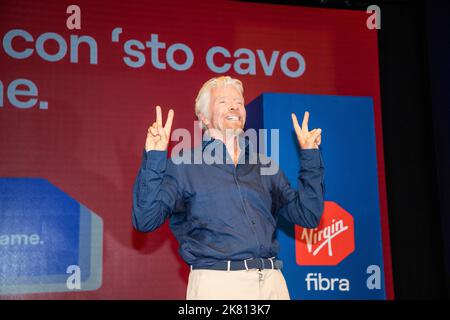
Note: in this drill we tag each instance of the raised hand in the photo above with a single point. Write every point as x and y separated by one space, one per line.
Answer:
158 136
306 139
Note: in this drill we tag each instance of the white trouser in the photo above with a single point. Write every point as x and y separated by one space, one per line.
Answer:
252 284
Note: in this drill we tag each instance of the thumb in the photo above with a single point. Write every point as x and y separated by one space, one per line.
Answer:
316 133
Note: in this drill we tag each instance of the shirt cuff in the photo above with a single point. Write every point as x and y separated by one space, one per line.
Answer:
155 160
311 158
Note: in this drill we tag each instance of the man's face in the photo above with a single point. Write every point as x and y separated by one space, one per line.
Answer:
227 109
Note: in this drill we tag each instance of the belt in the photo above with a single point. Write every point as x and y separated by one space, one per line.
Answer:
256 263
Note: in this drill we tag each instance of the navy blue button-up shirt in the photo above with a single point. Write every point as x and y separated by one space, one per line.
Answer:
224 212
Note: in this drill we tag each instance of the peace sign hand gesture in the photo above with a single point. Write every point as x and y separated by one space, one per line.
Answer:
158 136
306 139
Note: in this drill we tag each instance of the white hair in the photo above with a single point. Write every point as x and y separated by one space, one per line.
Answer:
204 95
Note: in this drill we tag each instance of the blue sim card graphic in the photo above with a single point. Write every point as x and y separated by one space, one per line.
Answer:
348 150
44 231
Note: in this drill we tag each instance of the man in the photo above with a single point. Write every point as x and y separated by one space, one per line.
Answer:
224 215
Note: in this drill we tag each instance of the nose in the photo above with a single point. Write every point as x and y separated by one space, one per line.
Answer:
234 106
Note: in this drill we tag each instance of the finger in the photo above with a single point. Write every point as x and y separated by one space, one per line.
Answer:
297 128
158 115
319 140
153 131
305 122
160 131
315 134
168 125
155 125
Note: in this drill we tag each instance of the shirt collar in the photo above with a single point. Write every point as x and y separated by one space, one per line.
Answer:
244 143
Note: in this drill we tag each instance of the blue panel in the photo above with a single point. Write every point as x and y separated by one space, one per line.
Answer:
349 152
39 229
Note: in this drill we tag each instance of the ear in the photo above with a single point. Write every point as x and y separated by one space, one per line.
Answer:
204 119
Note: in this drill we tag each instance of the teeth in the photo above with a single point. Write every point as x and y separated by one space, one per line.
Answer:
232 118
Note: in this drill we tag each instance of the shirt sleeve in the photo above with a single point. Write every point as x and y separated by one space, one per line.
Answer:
156 191
303 206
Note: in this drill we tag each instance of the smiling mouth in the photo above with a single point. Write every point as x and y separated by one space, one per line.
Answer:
233 118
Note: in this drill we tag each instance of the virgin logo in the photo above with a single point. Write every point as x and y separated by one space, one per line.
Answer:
323 237
328 244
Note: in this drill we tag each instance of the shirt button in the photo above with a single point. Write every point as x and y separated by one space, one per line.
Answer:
253 222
